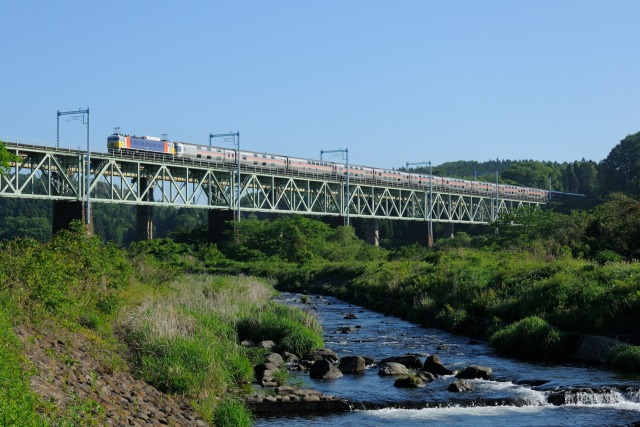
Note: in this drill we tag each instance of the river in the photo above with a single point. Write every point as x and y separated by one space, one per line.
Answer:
520 387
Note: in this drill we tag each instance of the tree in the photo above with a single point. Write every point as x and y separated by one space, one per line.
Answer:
616 226
5 159
621 169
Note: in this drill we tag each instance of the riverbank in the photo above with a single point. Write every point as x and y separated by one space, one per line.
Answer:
560 394
92 336
479 293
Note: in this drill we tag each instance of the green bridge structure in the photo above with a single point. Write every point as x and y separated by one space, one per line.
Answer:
147 180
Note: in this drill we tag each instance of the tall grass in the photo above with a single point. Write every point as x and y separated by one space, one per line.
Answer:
292 329
530 338
185 342
18 404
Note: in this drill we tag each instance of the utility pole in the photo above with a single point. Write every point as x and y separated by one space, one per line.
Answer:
88 157
344 151
475 178
236 141
430 204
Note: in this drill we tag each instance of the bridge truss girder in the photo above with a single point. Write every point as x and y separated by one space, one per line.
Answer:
50 173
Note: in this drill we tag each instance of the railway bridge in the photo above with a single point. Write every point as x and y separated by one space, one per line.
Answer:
147 180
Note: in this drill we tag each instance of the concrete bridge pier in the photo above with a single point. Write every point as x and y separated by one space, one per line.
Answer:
65 211
373 231
418 232
144 214
144 222
219 224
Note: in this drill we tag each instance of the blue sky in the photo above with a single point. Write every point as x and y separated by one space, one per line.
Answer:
394 81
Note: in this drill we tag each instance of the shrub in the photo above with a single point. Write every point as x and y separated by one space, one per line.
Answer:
529 338
300 341
231 413
451 319
606 256
625 357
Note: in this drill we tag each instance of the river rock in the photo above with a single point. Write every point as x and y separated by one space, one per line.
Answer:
426 376
475 371
350 316
458 386
320 354
268 344
411 361
247 343
392 368
274 358
435 366
352 365
264 370
324 370
346 330
411 381
289 357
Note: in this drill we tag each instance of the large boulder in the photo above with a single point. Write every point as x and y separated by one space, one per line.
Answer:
324 370
393 368
322 353
426 376
411 361
268 344
434 365
410 381
352 365
475 371
264 371
274 358
459 386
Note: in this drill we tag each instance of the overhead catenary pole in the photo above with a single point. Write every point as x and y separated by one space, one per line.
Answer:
238 182
88 157
344 151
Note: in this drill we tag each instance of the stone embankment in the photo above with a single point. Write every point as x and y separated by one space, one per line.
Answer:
70 371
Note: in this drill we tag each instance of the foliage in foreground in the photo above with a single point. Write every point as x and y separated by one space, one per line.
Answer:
18 404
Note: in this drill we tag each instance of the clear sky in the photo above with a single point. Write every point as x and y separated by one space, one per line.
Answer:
394 81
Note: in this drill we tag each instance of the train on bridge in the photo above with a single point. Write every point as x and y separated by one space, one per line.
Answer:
120 142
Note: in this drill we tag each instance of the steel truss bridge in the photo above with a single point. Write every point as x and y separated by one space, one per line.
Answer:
157 180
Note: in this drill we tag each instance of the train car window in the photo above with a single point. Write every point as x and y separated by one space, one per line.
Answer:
208 157
218 158
199 156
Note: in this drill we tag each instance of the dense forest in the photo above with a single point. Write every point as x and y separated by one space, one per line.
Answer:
587 181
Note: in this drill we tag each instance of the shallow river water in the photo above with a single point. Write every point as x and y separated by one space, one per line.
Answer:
525 386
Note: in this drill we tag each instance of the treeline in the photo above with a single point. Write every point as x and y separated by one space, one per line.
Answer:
619 172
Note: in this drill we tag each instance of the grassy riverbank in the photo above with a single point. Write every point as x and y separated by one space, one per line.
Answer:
109 318
533 286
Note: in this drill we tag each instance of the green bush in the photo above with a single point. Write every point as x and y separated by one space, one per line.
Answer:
300 341
231 413
625 357
290 328
529 338
607 256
